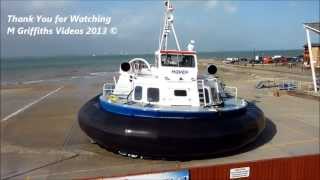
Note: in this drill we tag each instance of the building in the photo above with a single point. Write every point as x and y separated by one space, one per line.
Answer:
315 52
315 28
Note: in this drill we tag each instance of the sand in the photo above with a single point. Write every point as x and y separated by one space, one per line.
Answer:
44 140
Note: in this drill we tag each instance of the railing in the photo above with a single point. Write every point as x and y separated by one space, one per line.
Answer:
107 88
129 95
233 90
201 87
114 80
289 85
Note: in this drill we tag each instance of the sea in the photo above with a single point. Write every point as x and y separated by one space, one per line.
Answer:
29 70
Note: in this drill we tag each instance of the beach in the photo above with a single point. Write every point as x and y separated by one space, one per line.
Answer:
40 136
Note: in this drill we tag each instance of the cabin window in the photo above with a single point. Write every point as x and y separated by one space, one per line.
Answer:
180 92
153 94
206 95
177 60
138 93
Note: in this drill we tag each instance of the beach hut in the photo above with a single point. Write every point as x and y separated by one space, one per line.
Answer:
315 52
312 27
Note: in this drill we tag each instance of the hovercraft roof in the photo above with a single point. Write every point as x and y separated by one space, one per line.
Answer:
176 52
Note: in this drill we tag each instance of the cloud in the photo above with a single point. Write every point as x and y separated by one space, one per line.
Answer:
128 24
293 3
210 4
39 4
229 7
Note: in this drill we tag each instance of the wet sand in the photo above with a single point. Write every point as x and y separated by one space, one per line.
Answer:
44 140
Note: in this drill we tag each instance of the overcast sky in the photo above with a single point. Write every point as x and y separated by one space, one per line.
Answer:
214 25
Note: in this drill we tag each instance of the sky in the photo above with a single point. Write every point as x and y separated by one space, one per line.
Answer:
214 25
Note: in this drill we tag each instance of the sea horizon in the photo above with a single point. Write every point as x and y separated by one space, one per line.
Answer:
199 53
26 70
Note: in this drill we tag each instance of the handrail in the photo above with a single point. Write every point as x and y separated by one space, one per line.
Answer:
114 80
129 94
132 62
107 87
111 87
235 90
203 92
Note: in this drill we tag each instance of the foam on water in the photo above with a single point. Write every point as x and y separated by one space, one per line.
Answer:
99 73
108 75
33 82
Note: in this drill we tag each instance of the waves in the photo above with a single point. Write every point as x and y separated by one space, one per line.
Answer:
99 73
107 75
33 82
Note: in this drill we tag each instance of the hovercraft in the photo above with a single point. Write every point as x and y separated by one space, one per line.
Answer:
167 110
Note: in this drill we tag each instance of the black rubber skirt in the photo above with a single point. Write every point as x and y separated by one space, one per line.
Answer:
171 138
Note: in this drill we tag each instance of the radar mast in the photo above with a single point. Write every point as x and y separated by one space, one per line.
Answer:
168 27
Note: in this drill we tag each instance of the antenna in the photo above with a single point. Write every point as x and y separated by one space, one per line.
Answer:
167 27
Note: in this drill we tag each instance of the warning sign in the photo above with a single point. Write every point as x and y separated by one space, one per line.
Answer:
239 172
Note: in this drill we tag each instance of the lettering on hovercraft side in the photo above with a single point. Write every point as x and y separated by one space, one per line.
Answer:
179 71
